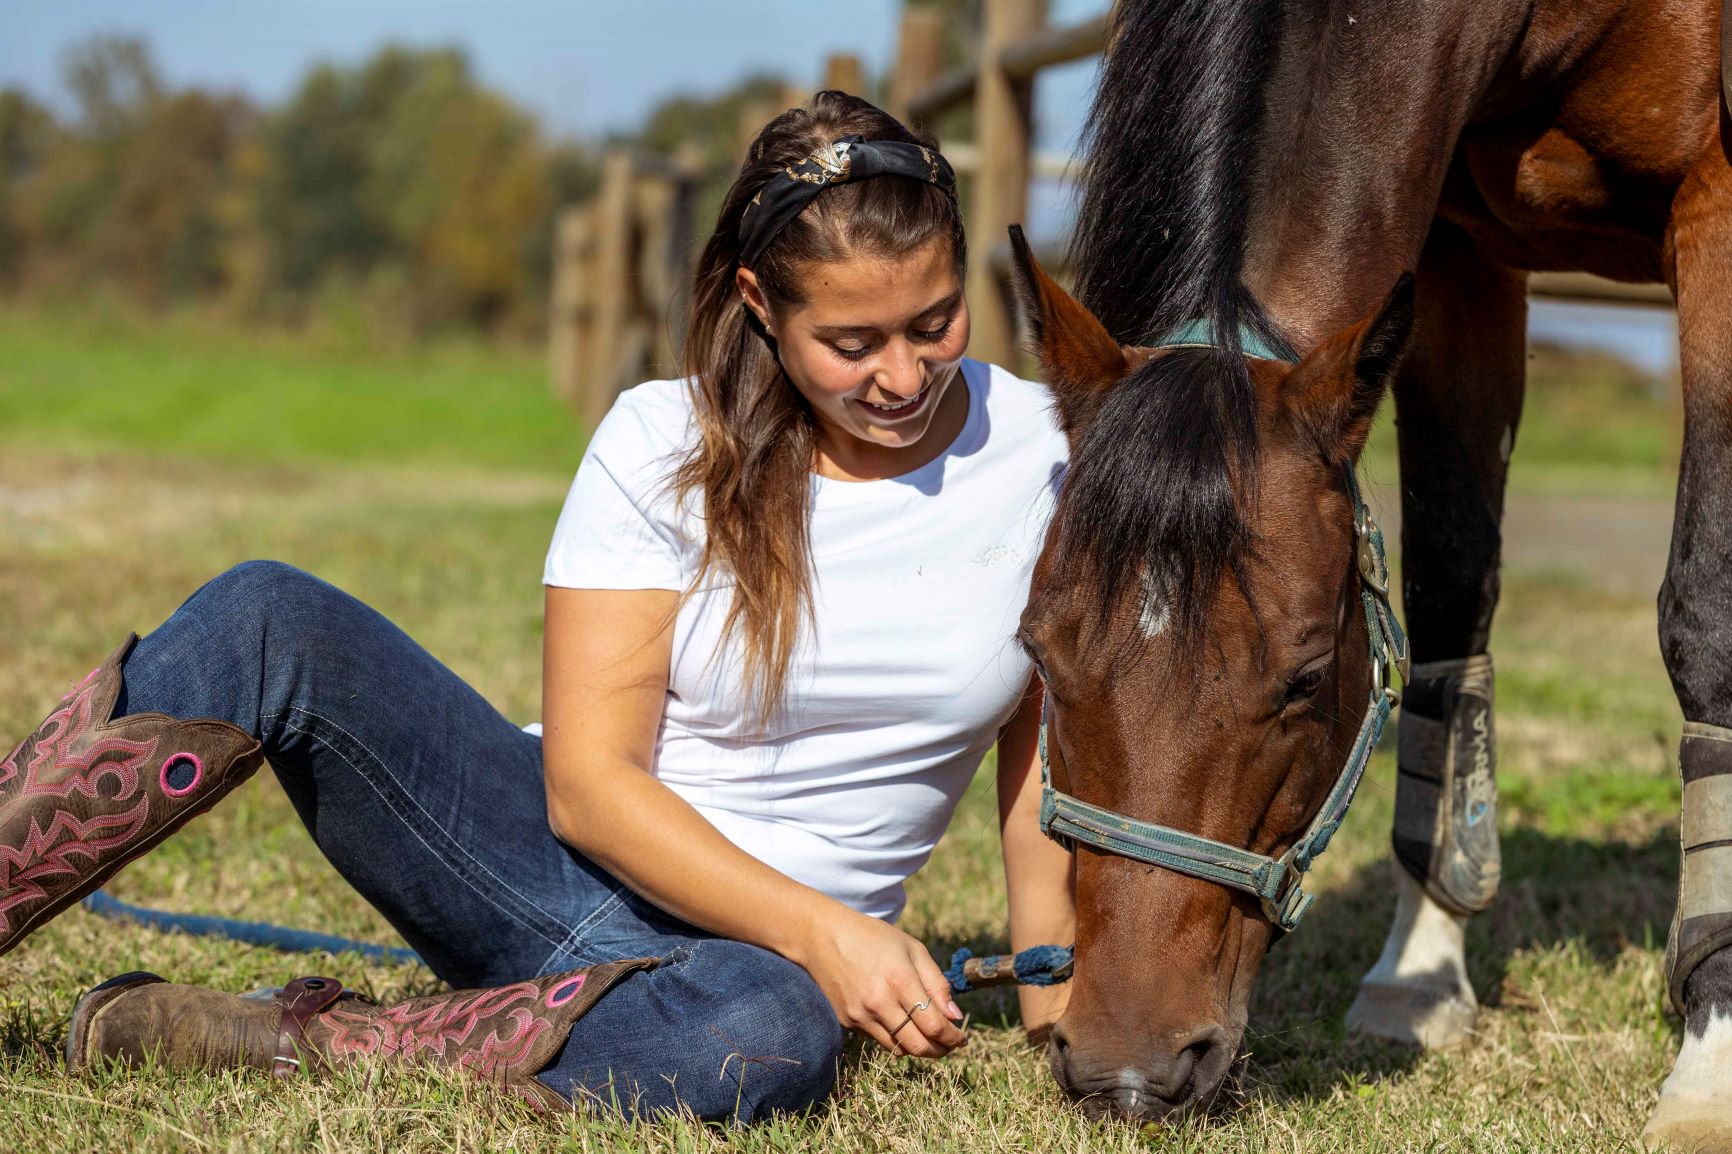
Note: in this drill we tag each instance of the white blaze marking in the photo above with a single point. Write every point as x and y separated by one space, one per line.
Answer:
1156 614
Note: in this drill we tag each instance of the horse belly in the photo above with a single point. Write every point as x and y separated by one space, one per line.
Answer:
1579 170
1548 203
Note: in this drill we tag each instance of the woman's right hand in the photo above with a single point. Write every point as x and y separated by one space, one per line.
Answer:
875 975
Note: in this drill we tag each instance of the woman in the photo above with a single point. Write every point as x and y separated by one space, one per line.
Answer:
781 601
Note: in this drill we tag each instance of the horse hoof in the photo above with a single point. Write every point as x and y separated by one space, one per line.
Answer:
1690 1126
1430 1017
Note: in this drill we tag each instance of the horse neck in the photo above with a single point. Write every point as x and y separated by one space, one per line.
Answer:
1361 118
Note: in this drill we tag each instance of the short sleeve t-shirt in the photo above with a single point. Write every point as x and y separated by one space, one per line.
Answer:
909 669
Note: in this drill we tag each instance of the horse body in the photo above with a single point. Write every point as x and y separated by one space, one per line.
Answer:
1273 168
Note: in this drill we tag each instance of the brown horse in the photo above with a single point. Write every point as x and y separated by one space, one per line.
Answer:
1269 170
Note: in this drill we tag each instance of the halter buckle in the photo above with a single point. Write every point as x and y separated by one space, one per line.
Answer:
1373 567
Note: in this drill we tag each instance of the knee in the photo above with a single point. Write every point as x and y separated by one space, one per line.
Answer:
257 587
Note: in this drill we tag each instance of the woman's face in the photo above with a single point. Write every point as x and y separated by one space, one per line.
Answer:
874 349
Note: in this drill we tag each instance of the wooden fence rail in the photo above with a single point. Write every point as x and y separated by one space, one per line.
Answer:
620 261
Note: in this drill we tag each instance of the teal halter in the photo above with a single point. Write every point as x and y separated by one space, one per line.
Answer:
1276 881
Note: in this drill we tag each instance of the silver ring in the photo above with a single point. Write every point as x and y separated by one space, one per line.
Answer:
918 1006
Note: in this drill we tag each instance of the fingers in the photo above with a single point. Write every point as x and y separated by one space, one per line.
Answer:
924 1029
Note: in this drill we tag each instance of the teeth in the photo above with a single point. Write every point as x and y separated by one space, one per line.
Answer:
897 405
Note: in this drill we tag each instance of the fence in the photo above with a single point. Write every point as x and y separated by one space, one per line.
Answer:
620 261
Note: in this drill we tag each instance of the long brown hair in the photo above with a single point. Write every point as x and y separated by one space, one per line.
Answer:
753 461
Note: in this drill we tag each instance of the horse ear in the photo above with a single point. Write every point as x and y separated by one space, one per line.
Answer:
1078 357
1334 392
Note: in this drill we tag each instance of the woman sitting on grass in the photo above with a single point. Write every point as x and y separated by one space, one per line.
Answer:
780 613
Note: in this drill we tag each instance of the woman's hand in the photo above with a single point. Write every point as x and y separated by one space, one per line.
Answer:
883 983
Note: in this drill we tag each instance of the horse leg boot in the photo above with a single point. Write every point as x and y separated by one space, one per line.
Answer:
1694 1111
504 1036
85 794
1447 855
1458 400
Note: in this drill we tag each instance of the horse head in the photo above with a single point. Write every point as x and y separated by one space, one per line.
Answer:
1196 616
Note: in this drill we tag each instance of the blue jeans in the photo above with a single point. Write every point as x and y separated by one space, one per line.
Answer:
431 804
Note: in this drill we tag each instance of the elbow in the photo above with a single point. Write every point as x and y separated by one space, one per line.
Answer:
568 822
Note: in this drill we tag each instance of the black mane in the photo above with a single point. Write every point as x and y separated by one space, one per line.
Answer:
1160 243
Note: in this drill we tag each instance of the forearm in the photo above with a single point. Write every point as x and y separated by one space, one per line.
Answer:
1038 872
655 842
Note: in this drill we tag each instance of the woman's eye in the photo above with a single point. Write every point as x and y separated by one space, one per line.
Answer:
933 336
851 354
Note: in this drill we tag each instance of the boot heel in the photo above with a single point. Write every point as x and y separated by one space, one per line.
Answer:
78 1033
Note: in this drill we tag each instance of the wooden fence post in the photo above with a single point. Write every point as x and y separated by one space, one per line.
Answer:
919 56
611 290
999 194
569 316
842 71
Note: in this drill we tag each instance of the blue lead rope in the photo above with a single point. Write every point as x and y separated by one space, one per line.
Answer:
252 933
1035 966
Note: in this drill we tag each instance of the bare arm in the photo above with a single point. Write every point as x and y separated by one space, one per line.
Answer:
606 663
1037 870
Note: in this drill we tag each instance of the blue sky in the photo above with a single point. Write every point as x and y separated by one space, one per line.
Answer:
587 67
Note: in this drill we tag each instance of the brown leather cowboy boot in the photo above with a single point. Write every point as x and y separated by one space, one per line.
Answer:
504 1035
84 795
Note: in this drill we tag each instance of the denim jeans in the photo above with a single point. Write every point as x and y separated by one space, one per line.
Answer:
431 804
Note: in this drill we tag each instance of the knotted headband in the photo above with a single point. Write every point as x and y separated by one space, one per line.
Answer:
789 191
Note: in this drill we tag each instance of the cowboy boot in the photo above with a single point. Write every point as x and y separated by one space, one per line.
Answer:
504 1035
85 794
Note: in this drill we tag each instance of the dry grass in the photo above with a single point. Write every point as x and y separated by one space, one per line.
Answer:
1569 1052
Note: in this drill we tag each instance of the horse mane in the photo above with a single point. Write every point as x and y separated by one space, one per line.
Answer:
1159 243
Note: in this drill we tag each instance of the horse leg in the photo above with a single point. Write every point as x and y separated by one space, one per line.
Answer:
1695 1107
1457 402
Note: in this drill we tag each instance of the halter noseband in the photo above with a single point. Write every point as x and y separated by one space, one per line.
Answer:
1276 881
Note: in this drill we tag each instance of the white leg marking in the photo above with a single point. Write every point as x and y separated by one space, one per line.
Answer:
1695 1108
1704 1066
1418 991
1426 941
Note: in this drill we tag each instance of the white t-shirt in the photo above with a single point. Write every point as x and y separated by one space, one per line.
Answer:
909 670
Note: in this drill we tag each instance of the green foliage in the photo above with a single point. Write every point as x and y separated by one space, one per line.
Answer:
400 190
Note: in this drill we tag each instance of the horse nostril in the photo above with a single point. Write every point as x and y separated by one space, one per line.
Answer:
1059 1041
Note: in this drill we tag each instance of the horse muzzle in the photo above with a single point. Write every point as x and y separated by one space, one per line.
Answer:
1155 1078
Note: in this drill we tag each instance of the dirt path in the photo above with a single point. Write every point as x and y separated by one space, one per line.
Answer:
1616 543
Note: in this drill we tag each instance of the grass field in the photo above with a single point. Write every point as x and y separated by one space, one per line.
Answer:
136 462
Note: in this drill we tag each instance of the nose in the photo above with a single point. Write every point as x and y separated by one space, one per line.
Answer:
902 375
1164 1079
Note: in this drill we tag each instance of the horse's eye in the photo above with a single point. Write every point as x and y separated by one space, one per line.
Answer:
1305 686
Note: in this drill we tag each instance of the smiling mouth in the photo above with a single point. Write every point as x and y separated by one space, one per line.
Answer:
900 408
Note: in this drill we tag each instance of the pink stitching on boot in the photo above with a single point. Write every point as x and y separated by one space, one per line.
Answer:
564 992
197 774
68 845
442 1029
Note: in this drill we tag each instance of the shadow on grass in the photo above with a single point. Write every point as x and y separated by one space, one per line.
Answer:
1593 897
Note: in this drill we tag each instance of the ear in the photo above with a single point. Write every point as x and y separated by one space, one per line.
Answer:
1333 394
1078 357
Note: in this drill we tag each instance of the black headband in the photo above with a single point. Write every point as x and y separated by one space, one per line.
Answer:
789 191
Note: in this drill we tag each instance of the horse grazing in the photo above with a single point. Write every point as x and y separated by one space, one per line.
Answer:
1261 178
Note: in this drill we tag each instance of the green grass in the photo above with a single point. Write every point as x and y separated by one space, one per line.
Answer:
1590 423
111 382
100 533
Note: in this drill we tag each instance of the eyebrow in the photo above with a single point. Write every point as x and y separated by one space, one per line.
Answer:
946 304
